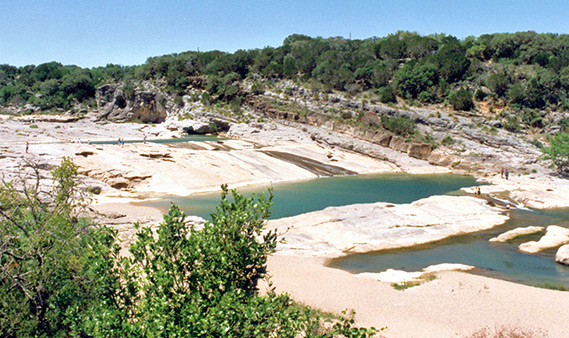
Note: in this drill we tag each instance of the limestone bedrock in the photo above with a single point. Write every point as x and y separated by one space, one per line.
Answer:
562 255
509 235
337 231
554 237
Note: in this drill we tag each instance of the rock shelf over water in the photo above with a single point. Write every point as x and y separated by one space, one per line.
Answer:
337 231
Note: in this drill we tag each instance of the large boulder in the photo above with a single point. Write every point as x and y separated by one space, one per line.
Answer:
562 255
399 143
143 106
421 151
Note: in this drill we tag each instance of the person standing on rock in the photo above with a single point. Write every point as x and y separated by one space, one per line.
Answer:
27 146
502 172
144 138
507 173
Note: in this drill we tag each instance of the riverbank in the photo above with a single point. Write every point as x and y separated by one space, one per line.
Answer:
122 175
454 304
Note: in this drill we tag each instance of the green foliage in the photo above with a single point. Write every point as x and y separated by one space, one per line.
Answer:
413 79
512 123
189 282
498 83
558 151
387 94
62 277
402 126
54 266
461 99
452 62
524 70
447 141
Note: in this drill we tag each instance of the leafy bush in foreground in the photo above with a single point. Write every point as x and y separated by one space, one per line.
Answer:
53 264
62 277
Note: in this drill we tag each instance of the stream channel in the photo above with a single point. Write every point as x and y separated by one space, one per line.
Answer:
499 260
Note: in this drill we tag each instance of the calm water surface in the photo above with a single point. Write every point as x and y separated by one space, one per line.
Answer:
188 138
500 260
296 198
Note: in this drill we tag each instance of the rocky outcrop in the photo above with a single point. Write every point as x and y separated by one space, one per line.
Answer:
336 231
554 237
509 235
143 106
205 125
369 130
562 255
399 276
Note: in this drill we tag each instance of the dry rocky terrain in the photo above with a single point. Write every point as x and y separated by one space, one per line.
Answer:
291 147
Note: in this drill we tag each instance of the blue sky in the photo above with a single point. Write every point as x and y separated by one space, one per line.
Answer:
92 33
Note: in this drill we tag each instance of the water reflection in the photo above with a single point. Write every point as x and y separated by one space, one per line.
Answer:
499 260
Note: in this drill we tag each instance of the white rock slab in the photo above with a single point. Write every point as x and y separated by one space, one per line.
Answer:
554 237
400 276
562 255
508 235
336 231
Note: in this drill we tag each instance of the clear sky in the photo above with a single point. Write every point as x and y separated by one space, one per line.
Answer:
91 33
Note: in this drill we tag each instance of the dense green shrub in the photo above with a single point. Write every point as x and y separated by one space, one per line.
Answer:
387 95
414 78
54 266
558 151
512 123
61 276
402 126
461 99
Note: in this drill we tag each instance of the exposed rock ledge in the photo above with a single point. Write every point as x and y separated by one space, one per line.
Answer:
509 235
554 237
562 255
399 276
337 231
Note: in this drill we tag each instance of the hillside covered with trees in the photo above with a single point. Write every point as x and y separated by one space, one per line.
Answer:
526 71
519 80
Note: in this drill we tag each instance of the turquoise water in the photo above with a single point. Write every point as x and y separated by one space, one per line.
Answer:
499 260
195 138
296 198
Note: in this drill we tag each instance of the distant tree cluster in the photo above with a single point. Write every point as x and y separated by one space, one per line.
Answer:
526 71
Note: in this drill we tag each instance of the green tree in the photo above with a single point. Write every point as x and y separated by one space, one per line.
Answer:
452 62
461 99
498 83
54 266
413 79
558 151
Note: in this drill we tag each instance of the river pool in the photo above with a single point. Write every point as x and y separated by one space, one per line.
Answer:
500 260
299 197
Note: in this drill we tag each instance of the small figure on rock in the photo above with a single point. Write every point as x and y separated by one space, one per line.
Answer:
144 138
27 146
507 173
478 191
502 172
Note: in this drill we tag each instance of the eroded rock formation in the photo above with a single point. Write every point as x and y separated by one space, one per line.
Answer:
117 105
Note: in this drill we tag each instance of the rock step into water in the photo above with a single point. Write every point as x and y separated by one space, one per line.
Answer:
562 255
554 237
509 235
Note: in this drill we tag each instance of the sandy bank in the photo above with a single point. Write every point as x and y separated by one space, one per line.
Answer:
453 305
